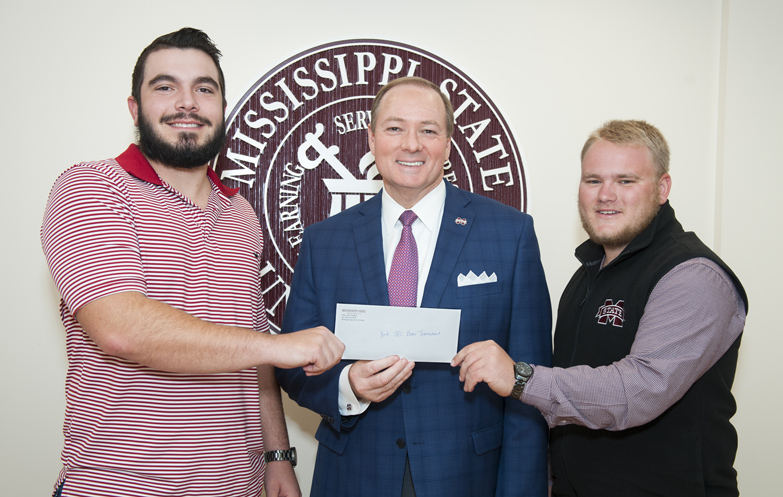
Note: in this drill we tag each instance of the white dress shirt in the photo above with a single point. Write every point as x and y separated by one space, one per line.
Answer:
429 213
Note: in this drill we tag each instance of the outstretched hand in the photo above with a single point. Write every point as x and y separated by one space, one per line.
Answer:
487 362
375 380
314 349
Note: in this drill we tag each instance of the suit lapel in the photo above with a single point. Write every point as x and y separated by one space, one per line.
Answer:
369 247
451 240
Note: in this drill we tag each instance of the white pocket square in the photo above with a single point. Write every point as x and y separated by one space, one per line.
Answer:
472 279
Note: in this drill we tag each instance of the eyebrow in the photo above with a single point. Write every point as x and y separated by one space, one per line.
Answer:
619 176
160 78
392 119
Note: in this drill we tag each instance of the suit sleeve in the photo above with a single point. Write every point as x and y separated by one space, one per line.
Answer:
523 465
317 393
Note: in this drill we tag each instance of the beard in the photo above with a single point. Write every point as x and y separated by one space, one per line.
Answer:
630 231
185 153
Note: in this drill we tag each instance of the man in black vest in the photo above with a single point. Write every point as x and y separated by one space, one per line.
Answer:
648 329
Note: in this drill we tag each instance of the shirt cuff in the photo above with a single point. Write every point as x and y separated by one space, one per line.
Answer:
347 401
537 392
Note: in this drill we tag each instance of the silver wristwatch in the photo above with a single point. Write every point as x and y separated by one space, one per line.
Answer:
281 455
522 373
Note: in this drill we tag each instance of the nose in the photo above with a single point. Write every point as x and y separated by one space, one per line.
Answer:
607 192
186 102
410 141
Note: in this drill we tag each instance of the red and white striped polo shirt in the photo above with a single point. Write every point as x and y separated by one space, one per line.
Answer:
113 226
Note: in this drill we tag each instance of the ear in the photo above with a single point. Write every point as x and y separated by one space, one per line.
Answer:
371 139
664 188
133 108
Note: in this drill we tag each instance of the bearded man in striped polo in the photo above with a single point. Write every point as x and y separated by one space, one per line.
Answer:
157 263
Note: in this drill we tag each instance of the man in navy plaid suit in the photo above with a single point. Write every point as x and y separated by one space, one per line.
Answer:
390 429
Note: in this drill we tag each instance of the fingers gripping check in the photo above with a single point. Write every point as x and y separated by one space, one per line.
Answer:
375 381
314 349
487 362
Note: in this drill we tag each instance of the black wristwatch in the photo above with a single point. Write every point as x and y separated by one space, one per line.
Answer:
281 455
522 373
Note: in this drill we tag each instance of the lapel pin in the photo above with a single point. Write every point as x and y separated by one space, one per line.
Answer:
461 221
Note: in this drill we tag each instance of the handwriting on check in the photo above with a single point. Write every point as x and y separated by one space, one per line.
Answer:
408 333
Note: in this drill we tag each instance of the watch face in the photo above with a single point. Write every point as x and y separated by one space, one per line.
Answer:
523 369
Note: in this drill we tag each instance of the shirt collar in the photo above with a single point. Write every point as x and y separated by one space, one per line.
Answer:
135 164
428 209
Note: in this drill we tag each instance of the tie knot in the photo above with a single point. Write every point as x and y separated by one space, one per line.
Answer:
407 218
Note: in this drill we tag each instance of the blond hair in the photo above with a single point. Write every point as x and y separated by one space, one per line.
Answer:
634 133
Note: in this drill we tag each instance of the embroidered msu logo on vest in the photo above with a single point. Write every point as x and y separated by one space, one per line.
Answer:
611 313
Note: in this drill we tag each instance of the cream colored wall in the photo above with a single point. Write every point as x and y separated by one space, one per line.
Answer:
708 73
750 232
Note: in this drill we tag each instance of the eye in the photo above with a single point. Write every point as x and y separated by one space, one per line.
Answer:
205 90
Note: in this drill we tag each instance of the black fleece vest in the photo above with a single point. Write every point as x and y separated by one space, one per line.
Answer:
687 451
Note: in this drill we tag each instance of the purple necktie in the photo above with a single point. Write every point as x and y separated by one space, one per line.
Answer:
404 272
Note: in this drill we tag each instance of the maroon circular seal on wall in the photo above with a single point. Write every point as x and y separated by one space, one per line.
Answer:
296 144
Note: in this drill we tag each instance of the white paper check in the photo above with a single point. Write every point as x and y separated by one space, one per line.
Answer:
418 334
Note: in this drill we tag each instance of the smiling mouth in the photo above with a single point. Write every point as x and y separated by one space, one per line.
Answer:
192 120
609 212
185 125
417 163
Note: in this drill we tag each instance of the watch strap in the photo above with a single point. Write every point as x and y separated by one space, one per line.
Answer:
281 455
521 379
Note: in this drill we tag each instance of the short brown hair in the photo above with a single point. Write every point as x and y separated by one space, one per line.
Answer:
183 39
630 133
416 81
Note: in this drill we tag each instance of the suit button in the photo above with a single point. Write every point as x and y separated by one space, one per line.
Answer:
406 388
400 443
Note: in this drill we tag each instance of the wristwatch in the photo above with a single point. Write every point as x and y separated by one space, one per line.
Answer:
281 455
522 373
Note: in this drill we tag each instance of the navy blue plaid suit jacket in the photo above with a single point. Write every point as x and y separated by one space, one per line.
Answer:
460 444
